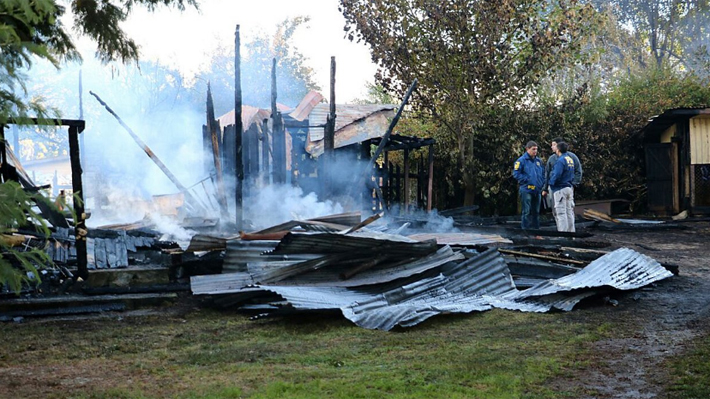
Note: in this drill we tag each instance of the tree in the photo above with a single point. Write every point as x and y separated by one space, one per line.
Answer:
471 57
31 30
672 33
293 77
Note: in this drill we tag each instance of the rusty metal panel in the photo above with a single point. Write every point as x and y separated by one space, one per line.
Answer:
306 105
372 125
249 115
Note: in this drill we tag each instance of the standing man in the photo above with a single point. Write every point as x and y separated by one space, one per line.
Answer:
528 171
561 180
546 194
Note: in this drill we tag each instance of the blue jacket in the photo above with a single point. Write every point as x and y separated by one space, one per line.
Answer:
551 163
529 173
562 173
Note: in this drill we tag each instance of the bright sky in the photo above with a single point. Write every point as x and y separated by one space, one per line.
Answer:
184 38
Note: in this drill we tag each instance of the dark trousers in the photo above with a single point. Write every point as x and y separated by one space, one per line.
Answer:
530 203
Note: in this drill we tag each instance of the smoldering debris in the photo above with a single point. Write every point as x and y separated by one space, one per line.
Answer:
380 280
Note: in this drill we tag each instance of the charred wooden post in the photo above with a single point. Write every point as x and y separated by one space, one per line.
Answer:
430 179
239 164
81 116
193 201
265 152
213 128
388 133
3 155
406 180
329 137
279 134
77 187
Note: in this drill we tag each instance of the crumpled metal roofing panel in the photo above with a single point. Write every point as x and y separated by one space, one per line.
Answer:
240 252
234 282
345 114
371 242
371 127
377 275
623 269
477 284
460 288
463 239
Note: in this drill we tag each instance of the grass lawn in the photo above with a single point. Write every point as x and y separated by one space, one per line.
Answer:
211 354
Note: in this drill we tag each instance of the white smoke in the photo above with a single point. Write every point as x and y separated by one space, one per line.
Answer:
277 204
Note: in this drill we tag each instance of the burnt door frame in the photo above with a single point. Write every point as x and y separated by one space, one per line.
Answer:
662 177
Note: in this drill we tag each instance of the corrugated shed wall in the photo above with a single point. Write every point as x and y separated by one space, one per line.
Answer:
700 140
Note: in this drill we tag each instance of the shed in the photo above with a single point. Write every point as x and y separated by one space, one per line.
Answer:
677 147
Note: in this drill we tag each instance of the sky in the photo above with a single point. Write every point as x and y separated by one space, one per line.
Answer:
183 39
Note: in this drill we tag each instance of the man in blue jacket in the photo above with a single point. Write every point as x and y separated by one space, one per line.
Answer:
546 194
561 179
529 173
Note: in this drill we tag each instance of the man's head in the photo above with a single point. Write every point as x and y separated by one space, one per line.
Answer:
561 147
531 148
553 144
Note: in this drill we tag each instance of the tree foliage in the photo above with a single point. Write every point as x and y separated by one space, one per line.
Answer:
668 33
472 58
16 210
30 31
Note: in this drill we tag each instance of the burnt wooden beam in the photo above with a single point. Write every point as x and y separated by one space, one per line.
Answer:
213 128
385 137
538 256
193 200
329 136
406 180
278 134
238 162
80 231
3 155
430 179
265 152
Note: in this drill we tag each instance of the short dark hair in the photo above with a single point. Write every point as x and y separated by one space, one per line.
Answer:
531 144
562 146
558 140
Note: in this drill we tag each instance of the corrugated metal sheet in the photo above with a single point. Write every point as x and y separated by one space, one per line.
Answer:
306 105
323 277
359 241
345 114
700 140
461 239
477 284
369 126
623 269
249 115
240 253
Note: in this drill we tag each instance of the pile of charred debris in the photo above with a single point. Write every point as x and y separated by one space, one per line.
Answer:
377 274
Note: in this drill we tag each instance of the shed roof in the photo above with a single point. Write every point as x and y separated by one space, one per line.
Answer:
659 123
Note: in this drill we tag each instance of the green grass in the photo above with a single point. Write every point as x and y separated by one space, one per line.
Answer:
496 354
691 376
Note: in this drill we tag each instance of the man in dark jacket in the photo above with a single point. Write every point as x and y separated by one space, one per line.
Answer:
528 171
561 180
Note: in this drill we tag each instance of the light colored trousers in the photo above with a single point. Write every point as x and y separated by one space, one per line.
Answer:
564 209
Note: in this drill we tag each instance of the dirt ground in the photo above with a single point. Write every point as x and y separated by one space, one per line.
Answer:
662 319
